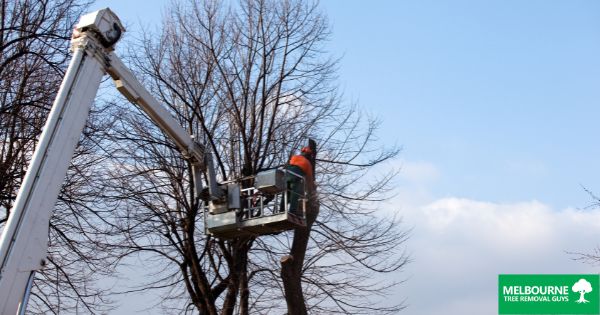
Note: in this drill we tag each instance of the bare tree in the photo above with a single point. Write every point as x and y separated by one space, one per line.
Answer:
252 81
594 256
33 53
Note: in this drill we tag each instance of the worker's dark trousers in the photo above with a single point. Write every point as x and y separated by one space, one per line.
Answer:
295 188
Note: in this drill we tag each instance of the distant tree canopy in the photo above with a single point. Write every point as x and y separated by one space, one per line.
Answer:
33 56
252 81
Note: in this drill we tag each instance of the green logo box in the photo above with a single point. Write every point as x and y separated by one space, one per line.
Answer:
548 294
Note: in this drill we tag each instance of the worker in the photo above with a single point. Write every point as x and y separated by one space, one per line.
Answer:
303 165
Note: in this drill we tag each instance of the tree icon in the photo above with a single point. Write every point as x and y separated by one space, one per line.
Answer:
582 287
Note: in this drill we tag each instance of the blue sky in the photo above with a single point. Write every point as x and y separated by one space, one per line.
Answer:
495 104
501 96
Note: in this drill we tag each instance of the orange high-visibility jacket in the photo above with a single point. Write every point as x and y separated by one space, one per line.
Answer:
304 164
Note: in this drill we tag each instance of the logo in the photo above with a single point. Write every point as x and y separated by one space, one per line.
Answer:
582 287
548 294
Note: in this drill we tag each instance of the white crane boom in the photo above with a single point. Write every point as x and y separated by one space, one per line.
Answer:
24 240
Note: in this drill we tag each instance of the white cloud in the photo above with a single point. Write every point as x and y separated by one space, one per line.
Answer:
459 246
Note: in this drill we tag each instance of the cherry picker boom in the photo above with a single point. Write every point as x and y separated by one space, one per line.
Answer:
230 209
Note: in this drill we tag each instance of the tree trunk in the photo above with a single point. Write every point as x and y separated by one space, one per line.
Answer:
244 293
291 265
238 282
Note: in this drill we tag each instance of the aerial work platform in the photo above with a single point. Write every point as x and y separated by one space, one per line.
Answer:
271 206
